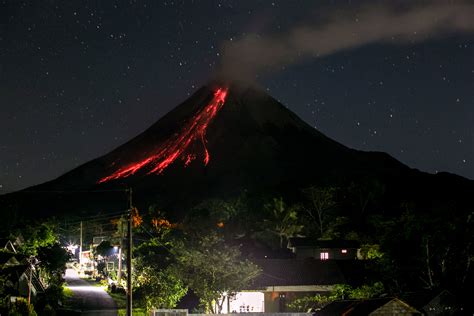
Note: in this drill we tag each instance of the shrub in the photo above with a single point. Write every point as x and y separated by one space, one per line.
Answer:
21 308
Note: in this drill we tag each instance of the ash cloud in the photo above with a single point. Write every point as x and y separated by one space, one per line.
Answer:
253 55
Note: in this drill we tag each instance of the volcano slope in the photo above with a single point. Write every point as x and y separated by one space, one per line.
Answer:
223 140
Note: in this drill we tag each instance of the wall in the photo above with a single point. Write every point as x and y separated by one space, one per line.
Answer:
255 314
302 253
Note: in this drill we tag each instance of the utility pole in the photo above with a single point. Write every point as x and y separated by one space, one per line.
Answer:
119 273
129 256
80 250
30 281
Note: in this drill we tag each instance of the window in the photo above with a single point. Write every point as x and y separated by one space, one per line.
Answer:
324 255
344 250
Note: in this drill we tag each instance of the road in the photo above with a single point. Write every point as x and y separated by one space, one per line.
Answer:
89 299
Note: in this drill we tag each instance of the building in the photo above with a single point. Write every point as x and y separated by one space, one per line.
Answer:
372 307
324 249
283 280
16 271
434 303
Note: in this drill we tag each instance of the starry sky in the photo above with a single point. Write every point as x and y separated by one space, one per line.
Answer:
79 78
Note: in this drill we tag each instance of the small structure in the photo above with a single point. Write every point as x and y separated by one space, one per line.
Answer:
372 307
283 280
16 272
434 303
324 249
98 239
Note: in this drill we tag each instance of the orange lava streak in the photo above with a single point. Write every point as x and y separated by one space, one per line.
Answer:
170 150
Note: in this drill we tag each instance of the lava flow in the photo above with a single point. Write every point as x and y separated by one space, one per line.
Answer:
177 147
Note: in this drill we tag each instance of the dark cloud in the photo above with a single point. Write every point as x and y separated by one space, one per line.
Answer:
253 54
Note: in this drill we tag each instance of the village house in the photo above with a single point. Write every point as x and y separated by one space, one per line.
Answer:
434 303
16 273
324 249
283 280
371 307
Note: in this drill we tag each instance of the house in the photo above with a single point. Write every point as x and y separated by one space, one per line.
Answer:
98 239
372 307
324 249
434 303
15 272
283 280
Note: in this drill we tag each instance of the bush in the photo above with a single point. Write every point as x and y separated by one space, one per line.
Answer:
307 304
21 308
48 311
53 295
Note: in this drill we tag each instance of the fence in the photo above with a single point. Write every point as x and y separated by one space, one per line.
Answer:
184 312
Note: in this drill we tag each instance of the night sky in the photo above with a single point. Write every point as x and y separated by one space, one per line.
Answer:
79 78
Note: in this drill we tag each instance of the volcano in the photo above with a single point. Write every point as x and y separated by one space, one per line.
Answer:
224 140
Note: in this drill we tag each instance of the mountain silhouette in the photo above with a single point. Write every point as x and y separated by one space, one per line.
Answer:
224 140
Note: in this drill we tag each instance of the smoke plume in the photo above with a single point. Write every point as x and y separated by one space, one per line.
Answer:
252 54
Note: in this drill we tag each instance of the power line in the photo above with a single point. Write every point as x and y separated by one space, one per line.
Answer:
96 219
72 191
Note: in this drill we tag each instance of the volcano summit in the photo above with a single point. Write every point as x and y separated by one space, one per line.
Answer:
224 140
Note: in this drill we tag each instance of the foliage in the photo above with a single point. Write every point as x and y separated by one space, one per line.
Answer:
21 308
40 243
322 203
48 310
53 295
310 303
36 236
214 270
137 219
160 289
53 261
340 292
283 219
156 281
365 193
104 249
367 291
371 251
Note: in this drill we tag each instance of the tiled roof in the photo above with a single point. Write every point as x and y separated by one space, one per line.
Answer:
316 243
359 307
290 272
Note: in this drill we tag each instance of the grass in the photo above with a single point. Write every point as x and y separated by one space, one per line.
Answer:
93 282
136 311
67 292
67 296
121 301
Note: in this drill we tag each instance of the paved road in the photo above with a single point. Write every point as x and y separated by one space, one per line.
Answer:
89 299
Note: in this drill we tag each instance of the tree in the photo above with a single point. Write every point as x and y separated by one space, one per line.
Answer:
322 203
366 192
35 236
104 249
53 261
306 304
283 219
160 288
214 271
156 277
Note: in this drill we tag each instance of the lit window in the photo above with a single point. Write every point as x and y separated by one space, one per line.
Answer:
344 250
324 255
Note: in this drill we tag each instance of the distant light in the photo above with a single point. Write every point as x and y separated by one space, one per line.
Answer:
72 248
115 248
344 250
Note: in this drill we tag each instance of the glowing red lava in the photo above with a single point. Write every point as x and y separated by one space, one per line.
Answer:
178 146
